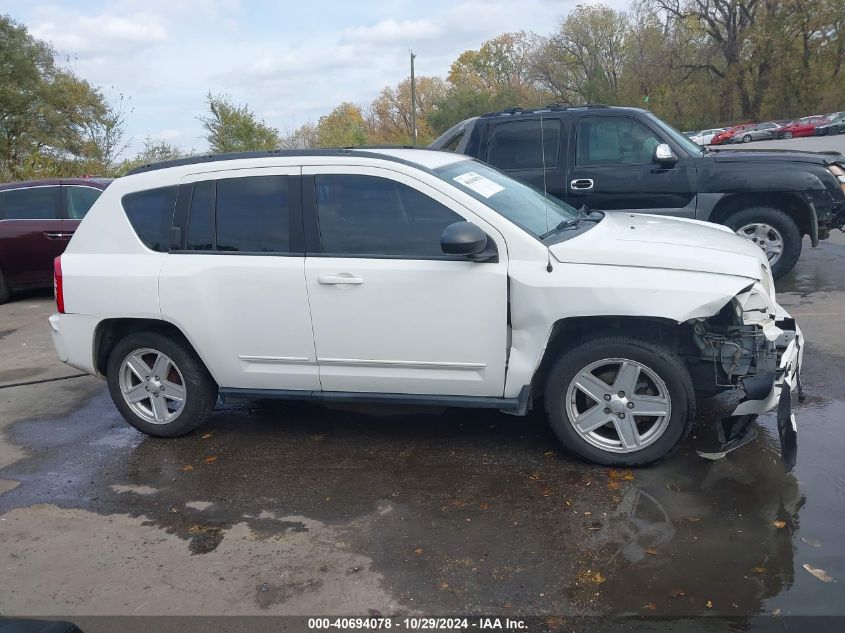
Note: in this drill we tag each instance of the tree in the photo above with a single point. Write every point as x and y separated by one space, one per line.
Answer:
45 111
233 128
343 127
155 151
303 137
389 115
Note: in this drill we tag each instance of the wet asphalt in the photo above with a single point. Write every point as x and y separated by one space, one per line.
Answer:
288 508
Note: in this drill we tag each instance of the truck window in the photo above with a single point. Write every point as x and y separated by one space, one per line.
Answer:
614 141
517 145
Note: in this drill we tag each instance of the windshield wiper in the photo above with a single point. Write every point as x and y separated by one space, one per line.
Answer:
584 214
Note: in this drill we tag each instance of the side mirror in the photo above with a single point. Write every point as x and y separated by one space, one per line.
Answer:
663 155
463 238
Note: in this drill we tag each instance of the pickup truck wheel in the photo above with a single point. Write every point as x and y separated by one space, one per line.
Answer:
5 290
620 401
773 231
159 385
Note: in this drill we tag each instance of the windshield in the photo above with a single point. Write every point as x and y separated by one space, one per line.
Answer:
691 147
520 203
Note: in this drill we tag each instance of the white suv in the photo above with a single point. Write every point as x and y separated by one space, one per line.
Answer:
415 276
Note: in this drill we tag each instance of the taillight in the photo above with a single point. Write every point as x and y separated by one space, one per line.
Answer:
58 288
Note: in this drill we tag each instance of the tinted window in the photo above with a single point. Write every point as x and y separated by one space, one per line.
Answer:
33 203
253 214
521 144
79 200
615 140
452 146
151 215
367 215
200 225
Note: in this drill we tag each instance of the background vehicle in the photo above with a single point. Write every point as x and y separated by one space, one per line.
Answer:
725 136
801 127
412 276
37 218
607 158
834 125
757 132
705 137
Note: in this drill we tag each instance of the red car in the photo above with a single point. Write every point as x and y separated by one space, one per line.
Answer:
727 135
801 127
37 219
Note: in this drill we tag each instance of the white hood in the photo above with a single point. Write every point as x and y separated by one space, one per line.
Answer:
653 241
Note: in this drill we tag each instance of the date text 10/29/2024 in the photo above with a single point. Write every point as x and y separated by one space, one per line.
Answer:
480 623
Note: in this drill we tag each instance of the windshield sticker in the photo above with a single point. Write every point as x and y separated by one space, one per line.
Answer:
479 184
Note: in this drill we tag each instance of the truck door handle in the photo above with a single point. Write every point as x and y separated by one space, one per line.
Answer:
582 184
338 280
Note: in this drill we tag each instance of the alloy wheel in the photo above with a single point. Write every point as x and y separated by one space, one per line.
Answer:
152 386
618 405
766 237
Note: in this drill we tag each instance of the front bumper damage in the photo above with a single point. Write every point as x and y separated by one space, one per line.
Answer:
766 391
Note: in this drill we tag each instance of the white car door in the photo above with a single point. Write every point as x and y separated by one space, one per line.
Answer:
391 313
236 287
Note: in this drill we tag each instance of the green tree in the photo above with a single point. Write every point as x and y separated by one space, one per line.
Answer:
389 116
232 128
342 127
154 151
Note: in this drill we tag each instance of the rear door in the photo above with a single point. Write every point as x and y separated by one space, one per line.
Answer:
31 234
531 150
612 168
234 279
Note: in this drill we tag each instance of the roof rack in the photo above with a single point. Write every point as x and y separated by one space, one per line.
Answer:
358 150
552 107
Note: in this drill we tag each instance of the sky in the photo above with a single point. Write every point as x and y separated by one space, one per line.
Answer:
290 61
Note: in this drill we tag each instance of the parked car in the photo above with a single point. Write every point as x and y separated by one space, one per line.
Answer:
756 132
37 218
801 127
626 159
705 137
834 125
725 137
419 277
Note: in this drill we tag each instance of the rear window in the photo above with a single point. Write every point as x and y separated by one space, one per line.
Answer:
151 215
520 145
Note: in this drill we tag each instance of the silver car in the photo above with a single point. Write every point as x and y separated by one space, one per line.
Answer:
759 132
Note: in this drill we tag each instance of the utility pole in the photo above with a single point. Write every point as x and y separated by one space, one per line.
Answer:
413 103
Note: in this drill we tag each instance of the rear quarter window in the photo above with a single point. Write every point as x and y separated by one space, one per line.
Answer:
151 215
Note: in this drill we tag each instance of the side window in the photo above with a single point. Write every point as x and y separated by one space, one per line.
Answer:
200 231
253 214
452 145
79 200
368 215
151 215
614 141
521 144
31 203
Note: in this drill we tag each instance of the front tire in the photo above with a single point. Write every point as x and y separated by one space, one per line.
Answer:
620 401
746 138
773 231
159 384
787 135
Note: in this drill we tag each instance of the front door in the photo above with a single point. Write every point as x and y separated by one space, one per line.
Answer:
613 169
31 234
236 283
391 313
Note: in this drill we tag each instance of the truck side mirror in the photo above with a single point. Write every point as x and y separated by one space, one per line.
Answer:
663 155
467 239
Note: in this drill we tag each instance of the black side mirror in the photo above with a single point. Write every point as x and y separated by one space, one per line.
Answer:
465 238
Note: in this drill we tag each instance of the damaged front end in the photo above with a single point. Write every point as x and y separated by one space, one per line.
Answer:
754 345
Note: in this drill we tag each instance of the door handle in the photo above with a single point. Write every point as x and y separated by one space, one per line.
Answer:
58 236
338 280
582 184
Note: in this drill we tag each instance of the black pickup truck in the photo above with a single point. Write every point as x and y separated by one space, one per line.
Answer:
626 159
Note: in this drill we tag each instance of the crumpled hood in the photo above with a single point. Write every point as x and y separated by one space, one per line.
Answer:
653 241
774 155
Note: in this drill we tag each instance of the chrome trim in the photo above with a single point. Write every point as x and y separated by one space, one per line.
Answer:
419 364
274 359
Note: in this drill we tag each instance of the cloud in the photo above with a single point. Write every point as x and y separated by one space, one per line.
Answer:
101 35
393 31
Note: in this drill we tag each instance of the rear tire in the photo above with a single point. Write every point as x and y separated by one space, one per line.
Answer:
785 231
622 438
5 289
159 384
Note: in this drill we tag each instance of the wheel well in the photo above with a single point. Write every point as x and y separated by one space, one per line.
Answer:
567 333
790 203
111 331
